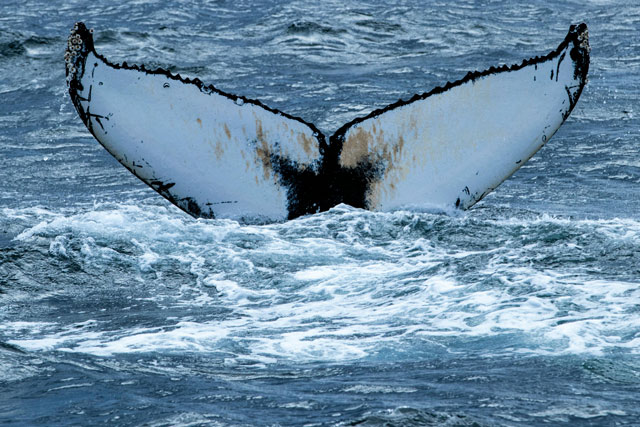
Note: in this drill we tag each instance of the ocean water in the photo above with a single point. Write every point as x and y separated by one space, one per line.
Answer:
117 308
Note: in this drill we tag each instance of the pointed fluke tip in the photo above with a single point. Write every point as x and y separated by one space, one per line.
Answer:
82 33
79 43
580 33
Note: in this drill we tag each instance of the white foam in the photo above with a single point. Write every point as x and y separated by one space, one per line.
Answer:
565 413
368 389
321 288
315 273
187 419
26 327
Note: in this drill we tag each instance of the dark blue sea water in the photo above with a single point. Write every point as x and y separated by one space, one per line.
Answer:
117 308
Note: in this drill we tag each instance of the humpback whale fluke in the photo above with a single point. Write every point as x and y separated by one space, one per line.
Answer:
214 154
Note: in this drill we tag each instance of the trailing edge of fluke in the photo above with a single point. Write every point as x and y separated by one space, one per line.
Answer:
218 155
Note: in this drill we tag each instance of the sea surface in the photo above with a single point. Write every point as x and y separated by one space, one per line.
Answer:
117 308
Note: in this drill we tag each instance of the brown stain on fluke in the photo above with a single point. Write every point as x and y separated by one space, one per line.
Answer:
309 145
373 146
394 172
218 150
226 131
199 122
262 150
356 148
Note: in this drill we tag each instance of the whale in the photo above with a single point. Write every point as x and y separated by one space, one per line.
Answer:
215 154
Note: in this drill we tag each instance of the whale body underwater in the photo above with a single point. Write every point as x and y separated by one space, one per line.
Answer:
219 155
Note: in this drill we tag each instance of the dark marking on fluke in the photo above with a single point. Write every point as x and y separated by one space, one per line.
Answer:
160 186
308 190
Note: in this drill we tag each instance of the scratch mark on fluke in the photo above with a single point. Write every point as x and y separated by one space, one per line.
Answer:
218 155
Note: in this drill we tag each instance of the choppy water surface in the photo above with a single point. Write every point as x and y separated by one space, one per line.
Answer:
115 307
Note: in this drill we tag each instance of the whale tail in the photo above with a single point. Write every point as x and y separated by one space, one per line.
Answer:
215 154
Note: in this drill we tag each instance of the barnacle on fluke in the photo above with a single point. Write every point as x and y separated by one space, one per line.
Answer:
215 154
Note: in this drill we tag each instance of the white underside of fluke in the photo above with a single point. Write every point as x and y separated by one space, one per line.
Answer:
218 155
195 146
454 147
